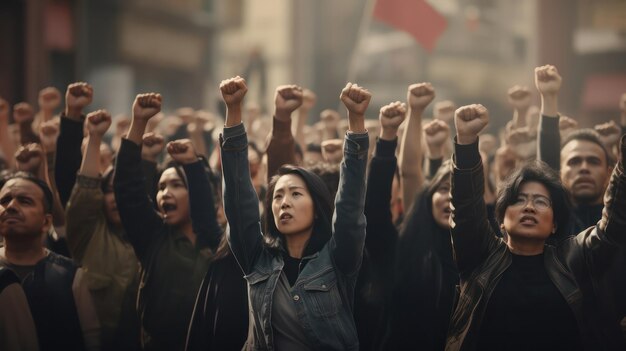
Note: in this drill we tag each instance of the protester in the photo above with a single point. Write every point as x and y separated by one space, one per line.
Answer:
301 277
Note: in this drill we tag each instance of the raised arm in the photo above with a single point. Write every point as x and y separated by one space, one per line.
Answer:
24 115
308 101
201 199
436 133
548 83
85 207
412 177
49 100
241 204
382 235
136 210
77 97
349 222
7 145
281 147
153 145
471 233
520 99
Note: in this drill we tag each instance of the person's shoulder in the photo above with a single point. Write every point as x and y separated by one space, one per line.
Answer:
7 277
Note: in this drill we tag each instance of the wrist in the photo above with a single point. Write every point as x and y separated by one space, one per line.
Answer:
282 115
356 123
388 133
73 112
435 152
466 139
549 105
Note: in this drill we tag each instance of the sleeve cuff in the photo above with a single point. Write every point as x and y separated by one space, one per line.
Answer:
386 148
466 156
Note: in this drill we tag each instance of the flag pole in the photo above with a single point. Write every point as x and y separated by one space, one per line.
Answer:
364 26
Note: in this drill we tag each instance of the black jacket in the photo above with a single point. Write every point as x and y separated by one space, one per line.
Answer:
575 266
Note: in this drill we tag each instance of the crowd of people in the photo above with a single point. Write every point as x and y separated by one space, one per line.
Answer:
268 233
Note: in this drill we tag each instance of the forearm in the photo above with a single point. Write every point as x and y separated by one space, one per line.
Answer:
549 105
349 221
90 166
241 204
7 144
233 116
136 131
27 135
410 158
549 141
281 148
67 162
471 232
303 117
84 211
202 206
381 232
613 221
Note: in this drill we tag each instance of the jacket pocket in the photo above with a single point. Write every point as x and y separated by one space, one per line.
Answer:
322 295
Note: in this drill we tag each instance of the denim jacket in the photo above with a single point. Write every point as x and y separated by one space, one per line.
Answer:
323 294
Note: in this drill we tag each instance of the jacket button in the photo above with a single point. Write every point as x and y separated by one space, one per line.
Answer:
323 286
296 297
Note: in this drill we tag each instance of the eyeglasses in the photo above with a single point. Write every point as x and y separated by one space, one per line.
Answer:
540 202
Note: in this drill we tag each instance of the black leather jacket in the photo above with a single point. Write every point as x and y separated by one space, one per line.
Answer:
575 266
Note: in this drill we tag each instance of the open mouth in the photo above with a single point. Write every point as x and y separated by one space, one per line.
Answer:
285 217
168 208
528 220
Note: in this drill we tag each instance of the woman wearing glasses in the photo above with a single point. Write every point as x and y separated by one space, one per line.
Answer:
518 293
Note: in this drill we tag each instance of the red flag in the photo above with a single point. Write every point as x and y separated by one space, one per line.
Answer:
415 17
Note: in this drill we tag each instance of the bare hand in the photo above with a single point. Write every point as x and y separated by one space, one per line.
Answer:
29 158
77 96
420 95
470 120
153 145
146 106
49 99
436 133
98 122
566 123
547 80
519 97
330 119
233 91
48 134
356 99
610 133
444 110
332 150
23 113
182 151
390 118
287 99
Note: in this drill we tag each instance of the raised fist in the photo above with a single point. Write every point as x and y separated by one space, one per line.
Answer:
152 145
49 99
522 142
98 122
391 116
330 119
420 95
182 151
308 99
444 110
356 99
436 133
23 113
146 106
470 120
332 150
519 97
233 90
29 158
547 80
610 133
77 96
48 134
287 99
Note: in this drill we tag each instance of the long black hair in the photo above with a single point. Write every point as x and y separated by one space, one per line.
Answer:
322 205
538 172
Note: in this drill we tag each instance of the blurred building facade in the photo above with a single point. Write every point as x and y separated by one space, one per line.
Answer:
183 48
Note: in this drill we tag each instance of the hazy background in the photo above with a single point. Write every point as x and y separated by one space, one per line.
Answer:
184 48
